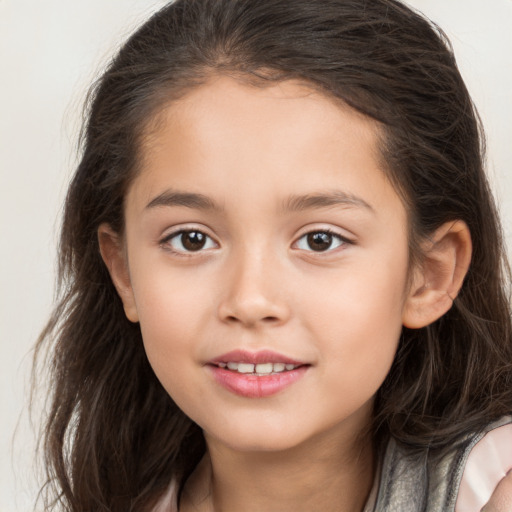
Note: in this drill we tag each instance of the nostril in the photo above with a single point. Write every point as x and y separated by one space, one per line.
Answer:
252 310
249 321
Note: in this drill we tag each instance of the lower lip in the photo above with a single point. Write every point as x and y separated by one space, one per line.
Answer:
250 386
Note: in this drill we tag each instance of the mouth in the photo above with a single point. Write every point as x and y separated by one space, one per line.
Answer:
260 369
256 374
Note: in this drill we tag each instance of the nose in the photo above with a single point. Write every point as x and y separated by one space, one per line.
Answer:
253 294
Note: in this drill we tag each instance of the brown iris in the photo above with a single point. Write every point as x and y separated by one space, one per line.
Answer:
319 241
193 240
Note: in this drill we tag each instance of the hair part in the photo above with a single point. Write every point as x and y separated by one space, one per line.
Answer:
114 438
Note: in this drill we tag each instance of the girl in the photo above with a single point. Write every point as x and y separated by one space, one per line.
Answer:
282 274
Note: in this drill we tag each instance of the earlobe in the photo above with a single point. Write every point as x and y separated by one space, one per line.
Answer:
114 257
438 279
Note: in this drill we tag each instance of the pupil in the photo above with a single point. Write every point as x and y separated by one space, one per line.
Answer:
193 240
319 241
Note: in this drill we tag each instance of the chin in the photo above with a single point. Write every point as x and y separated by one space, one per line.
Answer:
256 437
267 444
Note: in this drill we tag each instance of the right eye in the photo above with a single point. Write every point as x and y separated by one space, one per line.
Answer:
321 241
187 241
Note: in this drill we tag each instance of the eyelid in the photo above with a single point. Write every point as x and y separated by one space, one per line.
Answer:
165 239
345 240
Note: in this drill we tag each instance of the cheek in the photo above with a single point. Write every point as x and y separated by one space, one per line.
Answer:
172 313
357 320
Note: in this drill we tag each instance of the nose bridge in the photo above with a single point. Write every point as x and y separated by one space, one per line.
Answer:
252 293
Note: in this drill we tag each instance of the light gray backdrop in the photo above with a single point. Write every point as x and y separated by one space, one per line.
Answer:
49 53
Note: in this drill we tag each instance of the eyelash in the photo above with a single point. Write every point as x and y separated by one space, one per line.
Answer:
333 234
165 242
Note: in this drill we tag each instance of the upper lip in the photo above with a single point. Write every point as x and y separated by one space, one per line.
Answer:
262 356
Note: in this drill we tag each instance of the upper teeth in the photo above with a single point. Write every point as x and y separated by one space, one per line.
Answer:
258 369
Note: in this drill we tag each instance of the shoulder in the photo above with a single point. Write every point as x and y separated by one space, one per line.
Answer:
488 462
169 501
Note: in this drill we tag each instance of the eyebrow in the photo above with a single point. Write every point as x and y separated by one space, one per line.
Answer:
324 200
187 199
294 203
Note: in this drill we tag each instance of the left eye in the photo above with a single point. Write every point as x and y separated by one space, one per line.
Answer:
189 240
320 241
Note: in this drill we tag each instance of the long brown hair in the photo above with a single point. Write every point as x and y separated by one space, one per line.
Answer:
114 438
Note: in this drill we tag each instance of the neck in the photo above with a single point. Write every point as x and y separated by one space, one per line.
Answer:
318 475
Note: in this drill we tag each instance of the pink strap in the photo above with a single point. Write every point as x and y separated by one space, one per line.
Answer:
489 461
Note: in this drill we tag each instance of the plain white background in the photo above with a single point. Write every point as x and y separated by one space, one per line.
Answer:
49 53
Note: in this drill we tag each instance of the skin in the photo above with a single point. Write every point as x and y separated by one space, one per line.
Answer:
501 499
257 284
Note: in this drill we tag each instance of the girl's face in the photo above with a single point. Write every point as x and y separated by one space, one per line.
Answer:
263 231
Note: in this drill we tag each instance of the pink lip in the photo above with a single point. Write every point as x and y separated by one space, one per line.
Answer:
263 356
252 386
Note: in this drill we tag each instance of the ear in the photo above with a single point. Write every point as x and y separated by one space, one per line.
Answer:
437 280
114 255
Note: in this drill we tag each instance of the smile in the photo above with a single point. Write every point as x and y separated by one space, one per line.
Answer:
258 369
256 374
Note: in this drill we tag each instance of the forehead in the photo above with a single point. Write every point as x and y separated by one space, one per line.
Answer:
297 110
227 135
